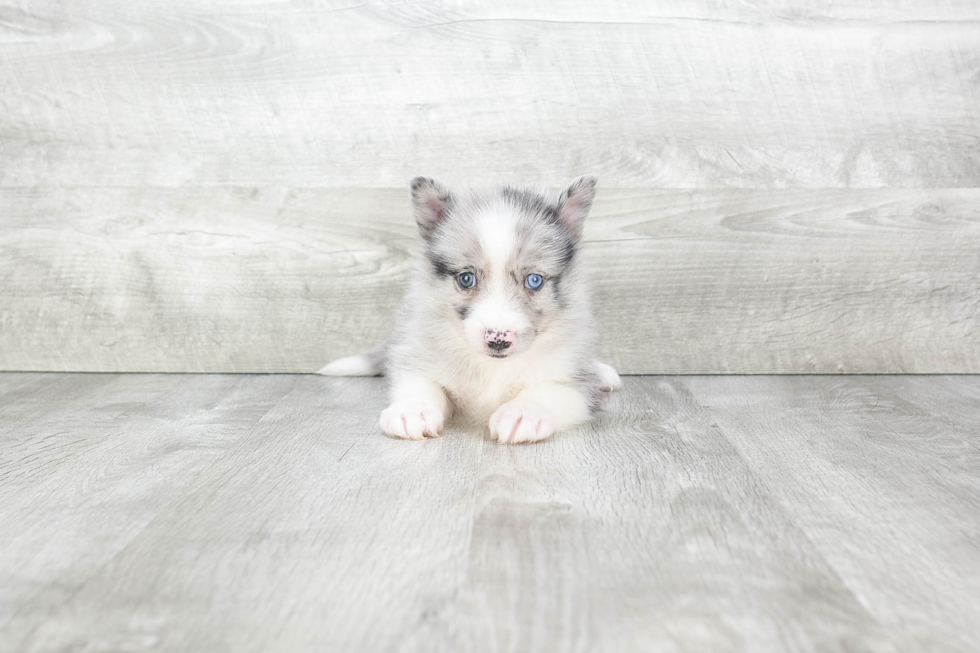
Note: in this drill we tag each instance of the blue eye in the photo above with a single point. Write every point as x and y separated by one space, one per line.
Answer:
466 280
534 281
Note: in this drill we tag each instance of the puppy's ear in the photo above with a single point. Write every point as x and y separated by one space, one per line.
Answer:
574 203
432 202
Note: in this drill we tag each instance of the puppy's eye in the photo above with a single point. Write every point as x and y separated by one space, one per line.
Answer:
534 281
466 280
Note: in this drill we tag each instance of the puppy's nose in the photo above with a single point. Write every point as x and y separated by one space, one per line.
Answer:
498 340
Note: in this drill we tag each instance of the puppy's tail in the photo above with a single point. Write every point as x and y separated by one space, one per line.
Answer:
369 363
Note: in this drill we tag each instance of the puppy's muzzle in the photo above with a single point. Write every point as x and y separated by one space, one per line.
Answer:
498 340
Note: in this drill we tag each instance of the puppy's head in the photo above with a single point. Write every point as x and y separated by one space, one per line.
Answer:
501 260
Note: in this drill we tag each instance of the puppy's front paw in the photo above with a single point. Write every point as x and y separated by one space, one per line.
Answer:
412 420
518 421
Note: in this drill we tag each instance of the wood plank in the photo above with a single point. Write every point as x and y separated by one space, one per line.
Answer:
643 531
321 452
14 385
670 94
286 279
95 466
791 282
958 393
887 490
33 397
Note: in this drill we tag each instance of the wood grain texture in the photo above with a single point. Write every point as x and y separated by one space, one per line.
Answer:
88 461
286 279
862 451
176 513
677 94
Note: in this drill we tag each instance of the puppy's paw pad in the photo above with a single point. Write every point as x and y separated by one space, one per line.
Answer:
609 380
412 420
520 422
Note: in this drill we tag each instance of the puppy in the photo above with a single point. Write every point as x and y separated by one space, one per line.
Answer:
496 326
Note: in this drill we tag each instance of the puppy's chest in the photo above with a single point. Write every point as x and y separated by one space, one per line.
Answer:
480 389
479 395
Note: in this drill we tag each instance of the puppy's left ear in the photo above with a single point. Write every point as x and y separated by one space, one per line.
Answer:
432 202
574 203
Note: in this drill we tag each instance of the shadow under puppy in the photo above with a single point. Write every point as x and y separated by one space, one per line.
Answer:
496 324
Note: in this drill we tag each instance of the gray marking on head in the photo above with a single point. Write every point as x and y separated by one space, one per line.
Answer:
432 203
547 230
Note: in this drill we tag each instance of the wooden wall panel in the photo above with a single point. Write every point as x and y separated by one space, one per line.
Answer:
190 186
675 94
685 281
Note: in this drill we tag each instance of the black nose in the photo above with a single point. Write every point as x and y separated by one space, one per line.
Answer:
498 345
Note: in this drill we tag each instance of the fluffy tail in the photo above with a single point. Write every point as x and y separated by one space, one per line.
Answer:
369 363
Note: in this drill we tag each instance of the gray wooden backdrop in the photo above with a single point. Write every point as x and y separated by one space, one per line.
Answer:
218 185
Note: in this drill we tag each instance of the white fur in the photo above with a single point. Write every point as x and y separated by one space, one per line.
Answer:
494 313
609 380
538 411
487 383
495 229
350 366
440 367
418 410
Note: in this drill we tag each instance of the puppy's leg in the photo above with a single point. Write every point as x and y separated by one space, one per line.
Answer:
608 377
418 408
537 412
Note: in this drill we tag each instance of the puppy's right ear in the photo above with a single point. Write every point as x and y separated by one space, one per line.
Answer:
432 202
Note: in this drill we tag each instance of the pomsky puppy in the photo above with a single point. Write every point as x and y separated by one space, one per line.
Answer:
496 324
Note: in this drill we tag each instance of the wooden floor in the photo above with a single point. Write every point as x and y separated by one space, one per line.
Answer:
267 513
